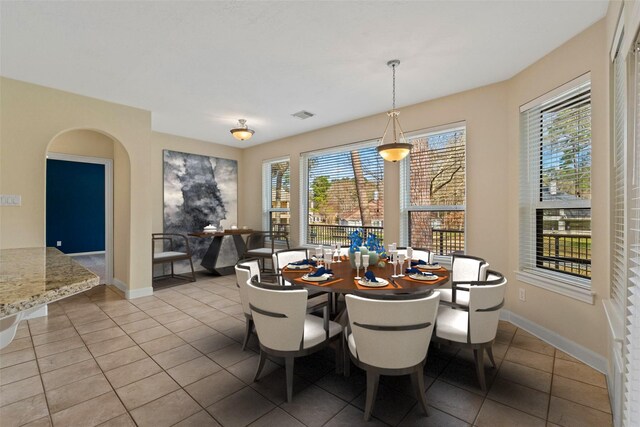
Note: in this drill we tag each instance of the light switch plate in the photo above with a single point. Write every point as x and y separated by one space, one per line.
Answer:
10 200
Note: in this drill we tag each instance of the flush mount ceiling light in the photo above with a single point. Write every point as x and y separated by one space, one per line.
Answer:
242 132
395 150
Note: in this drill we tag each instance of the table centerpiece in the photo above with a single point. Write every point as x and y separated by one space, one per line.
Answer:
372 246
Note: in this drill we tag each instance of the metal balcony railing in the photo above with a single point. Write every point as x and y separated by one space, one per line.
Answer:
325 234
568 253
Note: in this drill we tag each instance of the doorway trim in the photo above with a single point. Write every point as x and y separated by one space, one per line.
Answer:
108 203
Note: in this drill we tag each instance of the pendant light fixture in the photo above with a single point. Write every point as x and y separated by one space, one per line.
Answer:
394 150
242 132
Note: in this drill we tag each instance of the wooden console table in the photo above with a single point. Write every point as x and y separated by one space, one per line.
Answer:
225 250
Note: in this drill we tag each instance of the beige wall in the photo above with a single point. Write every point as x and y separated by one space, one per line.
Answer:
483 110
582 323
83 143
492 118
31 117
163 141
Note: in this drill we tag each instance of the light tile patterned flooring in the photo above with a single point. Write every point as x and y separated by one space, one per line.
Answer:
175 359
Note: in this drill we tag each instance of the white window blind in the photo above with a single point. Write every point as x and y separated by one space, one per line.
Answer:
344 192
618 268
434 189
555 185
276 195
632 341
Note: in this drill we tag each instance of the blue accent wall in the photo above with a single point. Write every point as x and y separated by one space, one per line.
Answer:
75 206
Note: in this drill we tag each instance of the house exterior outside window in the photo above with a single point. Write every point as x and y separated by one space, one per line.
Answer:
433 190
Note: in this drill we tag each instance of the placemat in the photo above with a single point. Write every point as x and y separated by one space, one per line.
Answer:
311 282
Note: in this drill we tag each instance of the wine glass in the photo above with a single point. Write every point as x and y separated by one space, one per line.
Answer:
394 262
365 263
409 253
338 247
401 258
319 252
358 262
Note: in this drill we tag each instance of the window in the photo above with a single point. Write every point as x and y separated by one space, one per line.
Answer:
343 191
555 184
276 197
433 196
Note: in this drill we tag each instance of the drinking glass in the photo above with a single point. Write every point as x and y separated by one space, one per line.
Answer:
409 253
358 262
401 258
319 253
328 255
365 262
338 247
394 261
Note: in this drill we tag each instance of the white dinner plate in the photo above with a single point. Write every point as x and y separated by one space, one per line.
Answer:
316 279
423 277
298 266
428 266
379 284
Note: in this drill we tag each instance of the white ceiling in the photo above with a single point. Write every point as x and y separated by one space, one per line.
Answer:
199 66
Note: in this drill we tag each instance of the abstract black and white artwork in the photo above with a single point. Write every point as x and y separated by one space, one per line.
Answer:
198 191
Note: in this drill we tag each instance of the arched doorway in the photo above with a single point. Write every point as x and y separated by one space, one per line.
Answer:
87 214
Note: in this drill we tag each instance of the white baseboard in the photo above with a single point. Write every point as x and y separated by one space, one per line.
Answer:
132 293
574 349
87 253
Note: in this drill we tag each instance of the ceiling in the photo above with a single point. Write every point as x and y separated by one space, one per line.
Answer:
198 66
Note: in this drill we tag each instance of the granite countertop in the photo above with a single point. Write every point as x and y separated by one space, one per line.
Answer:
31 277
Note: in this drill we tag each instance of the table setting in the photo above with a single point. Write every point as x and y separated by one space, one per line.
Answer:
371 267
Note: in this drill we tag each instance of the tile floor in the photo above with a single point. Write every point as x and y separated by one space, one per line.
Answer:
175 359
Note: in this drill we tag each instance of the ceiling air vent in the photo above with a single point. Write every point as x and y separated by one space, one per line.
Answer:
303 115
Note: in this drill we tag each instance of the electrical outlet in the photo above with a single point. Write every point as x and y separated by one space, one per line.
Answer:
59 243
10 200
523 295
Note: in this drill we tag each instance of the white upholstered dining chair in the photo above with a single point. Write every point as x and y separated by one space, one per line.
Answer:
476 324
464 269
283 258
418 253
285 329
390 335
245 270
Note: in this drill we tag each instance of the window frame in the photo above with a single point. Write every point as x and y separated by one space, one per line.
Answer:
267 191
405 182
304 180
564 283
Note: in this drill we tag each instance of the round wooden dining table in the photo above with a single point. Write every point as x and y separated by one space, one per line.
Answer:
343 281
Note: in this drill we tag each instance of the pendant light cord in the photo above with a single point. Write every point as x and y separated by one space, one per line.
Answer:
394 118
394 85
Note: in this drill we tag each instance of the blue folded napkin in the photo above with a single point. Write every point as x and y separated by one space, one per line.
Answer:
304 262
419 262
319 272
416 271
370 276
